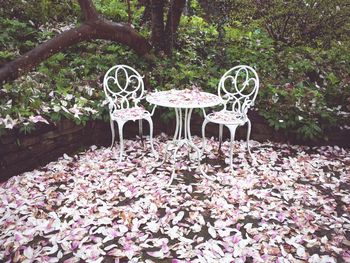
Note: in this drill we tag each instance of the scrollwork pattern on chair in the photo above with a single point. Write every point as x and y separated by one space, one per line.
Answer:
238 89
124 88
243 93
129 87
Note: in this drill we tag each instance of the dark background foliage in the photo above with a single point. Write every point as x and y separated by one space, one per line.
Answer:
300 49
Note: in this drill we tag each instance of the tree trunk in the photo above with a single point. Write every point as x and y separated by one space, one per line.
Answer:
157 11
173 21
147 13
94 27
163 37
129 12
88 9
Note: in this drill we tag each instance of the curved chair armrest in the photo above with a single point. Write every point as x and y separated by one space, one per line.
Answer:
154 108
224 102
111 106
136 100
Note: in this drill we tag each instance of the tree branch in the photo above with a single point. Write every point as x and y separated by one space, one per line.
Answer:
13 69
122 33
95 27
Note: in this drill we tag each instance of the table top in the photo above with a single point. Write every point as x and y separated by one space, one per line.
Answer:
186 98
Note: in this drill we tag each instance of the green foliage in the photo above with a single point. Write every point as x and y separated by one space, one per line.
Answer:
305 88
15 37
189 65
112 9
309 22
221 12
38 12
117 10
300 108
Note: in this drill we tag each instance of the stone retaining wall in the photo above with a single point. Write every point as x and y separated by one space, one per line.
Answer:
20 152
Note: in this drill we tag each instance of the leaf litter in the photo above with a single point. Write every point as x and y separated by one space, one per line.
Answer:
289 204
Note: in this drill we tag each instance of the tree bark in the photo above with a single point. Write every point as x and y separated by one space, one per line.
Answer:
93 27
147 14
129 11
157 12
14 69
173 21
88 9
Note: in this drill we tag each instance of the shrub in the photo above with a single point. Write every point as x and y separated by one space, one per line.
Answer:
305 90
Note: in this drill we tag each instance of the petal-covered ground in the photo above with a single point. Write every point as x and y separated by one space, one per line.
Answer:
289 205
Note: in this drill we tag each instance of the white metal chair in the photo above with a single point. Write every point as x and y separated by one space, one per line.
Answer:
238 88
124 88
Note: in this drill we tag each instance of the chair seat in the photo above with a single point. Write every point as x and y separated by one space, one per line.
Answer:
135 113
226 117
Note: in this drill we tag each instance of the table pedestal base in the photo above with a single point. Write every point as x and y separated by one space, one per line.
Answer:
180 139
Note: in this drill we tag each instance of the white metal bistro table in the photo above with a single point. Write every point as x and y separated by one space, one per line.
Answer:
183 101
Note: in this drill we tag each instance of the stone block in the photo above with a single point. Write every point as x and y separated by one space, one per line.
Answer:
65 125
8 148
50 135
30 140
7 139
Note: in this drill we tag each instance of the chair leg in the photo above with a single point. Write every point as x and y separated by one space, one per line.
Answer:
248 137
149 119
121 139
205 122
220 135
141 130
113 132
232 133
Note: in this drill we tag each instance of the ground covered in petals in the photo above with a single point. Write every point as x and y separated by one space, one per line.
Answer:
290 204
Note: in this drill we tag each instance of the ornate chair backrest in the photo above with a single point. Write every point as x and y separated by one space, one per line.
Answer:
122 84
238 87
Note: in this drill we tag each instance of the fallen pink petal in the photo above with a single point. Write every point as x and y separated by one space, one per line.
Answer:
294 206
